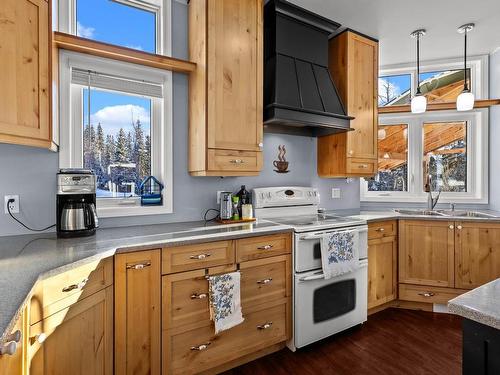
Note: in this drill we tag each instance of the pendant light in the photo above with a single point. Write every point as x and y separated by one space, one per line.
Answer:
419 101
465 101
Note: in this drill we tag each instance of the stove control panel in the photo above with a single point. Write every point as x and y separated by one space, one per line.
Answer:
285 196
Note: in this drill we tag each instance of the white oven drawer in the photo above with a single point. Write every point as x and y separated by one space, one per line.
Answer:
325 307
308 247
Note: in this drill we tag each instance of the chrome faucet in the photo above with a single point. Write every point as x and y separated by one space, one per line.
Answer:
431 202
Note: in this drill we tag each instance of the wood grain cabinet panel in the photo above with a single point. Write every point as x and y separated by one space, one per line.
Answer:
25 72
263 247
137 312
426 252
353 62
78 339
382 270
13 364
477 253
225 90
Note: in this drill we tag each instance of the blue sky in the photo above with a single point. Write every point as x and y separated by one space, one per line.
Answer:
115 23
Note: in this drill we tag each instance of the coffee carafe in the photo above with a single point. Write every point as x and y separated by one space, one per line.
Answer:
75 203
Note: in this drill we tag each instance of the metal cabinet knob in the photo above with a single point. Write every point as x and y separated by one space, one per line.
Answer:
236 161
266 325
199 296
380 230
199 256
14 336
451 227
265 247
138 266
426 294
8 348
79 285
264 281
201 347
459 227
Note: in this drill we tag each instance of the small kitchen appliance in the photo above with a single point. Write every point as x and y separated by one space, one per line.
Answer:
76 203
226 205
321 307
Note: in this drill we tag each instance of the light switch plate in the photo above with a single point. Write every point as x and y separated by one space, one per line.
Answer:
335 193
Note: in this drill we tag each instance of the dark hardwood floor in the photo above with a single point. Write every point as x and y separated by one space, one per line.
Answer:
393 341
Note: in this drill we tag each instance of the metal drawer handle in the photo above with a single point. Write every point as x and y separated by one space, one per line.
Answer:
380 230
9 348
138 266
71 287
265 247
264 281
236 161
265 325
201 347
199 256
426 294
363 166
199 296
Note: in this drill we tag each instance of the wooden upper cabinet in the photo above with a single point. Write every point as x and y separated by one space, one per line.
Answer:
225 90
426 252
25 72
477 253
353 63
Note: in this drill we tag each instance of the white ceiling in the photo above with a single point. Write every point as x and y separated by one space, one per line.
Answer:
392 21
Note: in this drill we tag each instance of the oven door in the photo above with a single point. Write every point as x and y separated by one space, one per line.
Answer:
308 250
325 307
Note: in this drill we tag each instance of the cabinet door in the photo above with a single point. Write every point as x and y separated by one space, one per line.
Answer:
137 313
382 270
362 73
477 253
234 61
24 53
426 252
13 363
77 340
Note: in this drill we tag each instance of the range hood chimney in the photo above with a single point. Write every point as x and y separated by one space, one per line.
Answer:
299 94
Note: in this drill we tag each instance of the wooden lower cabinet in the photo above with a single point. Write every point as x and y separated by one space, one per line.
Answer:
137 312
77 340
382 263
14 363
477 253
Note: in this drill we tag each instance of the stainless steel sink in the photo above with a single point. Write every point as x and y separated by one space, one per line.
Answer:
420 212
473 214
447 213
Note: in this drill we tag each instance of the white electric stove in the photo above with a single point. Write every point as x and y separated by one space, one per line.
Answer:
321 307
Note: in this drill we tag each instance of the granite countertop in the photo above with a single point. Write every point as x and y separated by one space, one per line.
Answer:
25 259
481 304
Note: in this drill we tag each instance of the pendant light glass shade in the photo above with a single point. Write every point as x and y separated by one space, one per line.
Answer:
465 101
418 104
419 101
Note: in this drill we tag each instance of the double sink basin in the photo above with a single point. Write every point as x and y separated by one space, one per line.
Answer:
447 213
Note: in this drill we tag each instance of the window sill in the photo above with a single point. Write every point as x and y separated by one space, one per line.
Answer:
74 43
117 211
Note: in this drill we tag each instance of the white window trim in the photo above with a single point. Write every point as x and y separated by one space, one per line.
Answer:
478 66
66 19
477 160
70 155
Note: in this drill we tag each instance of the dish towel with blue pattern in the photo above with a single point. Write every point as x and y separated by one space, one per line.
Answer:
339 252
225 300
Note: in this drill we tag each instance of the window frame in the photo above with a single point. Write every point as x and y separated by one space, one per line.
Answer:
71 132
477 158
478 66
67 22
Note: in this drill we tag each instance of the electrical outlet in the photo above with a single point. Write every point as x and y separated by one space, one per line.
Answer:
335 193
14 206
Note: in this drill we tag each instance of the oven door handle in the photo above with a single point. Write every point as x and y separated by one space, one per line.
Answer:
313 277
320 235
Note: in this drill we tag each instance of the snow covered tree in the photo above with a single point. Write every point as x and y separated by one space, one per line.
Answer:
121 151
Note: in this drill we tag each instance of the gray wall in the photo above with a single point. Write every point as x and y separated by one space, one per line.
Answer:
31 172
495 132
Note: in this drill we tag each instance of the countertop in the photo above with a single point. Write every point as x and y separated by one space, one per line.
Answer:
481 304
390 214
25 259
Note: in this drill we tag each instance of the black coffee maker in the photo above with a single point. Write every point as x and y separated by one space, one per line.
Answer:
75 203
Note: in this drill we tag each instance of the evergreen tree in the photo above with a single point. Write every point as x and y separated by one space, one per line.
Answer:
99 144
140 155
147 162
130 148
121 149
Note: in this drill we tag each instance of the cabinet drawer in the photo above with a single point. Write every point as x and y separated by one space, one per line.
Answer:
265 280
430 294
263 247
192 257
58 292
185 297
199 349
382 229
227 160
361 167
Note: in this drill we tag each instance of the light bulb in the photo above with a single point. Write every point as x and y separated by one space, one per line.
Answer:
465 101
418 104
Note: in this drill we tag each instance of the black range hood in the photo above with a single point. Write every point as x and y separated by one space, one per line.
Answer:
299 94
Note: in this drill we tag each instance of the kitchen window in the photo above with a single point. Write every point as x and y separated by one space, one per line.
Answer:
116 119
450 146
143 25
